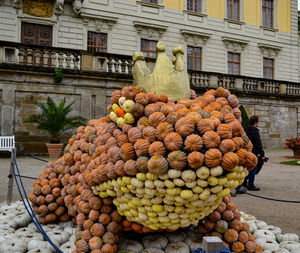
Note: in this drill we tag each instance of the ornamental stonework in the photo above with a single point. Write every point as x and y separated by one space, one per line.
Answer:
38 8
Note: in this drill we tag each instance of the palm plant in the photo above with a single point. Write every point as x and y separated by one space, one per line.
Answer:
53 119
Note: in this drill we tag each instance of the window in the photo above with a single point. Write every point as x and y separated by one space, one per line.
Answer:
234 63
233 9
268 68
267 13
194 55
97 42
148 47
194 5
36 34
150 1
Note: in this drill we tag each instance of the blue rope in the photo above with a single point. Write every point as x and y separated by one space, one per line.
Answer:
279 200
31 156
31 213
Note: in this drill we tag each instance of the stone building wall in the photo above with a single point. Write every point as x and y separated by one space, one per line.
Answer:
126 22
279 117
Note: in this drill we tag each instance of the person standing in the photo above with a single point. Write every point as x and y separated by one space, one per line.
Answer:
254 136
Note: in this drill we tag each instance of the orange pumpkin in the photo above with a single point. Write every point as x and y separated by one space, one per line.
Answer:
236 225
108 248
193 142
237 247
172 118
142 98
158 165
149 134
229 161
163 129
221 92
243 237
150 109
153 98
114 154
167 109
127 151
233 101
177 160
156 118
205 125
231 235
129 92
185 126
242 154
143 122
251 161
173 141
195 159
134 134
224 131
82 246
250 247
120 112
229 117
211 139
142 163
239 142
115 96
212 157
137 110
226 146
131 167
157 148
246 226
141 147
95 243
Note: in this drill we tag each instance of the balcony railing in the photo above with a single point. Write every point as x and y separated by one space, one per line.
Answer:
200 80
16 54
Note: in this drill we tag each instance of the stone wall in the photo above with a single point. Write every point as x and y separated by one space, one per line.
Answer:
126 22
19 90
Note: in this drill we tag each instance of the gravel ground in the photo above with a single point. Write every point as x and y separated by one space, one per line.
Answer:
275 180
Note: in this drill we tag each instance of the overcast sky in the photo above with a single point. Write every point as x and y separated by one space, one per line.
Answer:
298 5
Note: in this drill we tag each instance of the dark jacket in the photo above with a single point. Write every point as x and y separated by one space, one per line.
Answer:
253 134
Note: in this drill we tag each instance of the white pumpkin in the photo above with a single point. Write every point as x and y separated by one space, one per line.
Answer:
177 247
28 237
41 250
193 243
41 243
153 250
253 226
24 231
176 236
260 224
22 220
155 241
287 237
68 247
59 236
130 245
268 244
273 229
280 250
263 233
14 245
32 227
9 223
290 245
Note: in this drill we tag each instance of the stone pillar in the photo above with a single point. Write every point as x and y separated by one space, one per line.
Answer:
282 89
213 81
8 110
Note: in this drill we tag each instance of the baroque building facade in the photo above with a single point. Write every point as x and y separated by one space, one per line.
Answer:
257 38
248 46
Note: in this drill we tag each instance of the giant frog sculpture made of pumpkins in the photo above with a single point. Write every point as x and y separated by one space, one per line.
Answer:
151 164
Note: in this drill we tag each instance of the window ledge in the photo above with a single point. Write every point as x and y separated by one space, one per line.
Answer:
199 14
238 22
269 28
150 4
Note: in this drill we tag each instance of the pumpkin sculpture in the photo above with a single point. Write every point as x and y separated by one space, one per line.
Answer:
153 167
